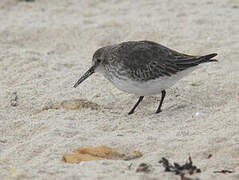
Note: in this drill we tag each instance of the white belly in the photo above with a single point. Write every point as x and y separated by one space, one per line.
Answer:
151 87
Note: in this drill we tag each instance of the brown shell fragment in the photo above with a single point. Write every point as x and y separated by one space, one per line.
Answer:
73 104
78 104
100 151
91 153
76 158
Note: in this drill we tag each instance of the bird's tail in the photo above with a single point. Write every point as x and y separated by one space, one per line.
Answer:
195 60
208 58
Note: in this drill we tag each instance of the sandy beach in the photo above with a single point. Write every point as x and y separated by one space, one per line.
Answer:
46 45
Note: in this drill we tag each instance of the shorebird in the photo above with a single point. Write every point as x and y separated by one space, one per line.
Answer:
143 67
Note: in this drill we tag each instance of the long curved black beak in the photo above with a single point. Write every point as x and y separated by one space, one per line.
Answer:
86 75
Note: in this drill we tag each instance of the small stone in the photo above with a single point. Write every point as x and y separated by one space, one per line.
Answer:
14 99
144 167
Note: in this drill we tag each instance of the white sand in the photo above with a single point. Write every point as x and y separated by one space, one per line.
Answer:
45 46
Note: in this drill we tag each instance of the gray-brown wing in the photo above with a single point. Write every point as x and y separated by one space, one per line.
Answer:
148 60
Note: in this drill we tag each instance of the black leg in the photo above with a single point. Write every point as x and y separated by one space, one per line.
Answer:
161 101
132 110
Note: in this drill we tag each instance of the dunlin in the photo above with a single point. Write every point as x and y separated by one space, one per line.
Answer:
143 67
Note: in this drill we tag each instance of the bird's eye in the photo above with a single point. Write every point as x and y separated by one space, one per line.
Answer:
98 60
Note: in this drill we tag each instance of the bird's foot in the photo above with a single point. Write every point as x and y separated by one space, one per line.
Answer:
158 111
131 112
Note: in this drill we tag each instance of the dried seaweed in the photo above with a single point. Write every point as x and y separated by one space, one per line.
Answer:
187 168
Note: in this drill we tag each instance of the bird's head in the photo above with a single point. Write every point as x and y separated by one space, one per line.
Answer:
98 61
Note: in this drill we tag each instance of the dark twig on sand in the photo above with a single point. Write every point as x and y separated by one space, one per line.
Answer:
224 171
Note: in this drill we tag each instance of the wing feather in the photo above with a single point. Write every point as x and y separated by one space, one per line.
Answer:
146 60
